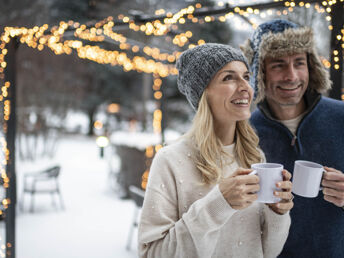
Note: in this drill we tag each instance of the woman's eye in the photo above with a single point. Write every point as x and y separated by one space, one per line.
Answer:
228 77
247 78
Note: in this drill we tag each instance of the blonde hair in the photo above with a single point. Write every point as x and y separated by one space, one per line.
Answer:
211 157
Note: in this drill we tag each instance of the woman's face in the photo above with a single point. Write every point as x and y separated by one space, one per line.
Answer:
229 94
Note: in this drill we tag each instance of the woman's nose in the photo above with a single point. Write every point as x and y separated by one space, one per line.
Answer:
244 85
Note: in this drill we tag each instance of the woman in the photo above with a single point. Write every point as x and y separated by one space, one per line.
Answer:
199 202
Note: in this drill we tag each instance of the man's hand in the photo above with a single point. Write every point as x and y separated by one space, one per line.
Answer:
285 194
240 189
333 186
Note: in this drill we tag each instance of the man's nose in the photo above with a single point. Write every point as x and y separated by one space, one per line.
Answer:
290 73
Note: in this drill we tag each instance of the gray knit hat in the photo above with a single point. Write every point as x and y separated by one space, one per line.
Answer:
197 66
278 38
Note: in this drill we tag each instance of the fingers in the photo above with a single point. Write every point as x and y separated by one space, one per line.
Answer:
285 185
286 196
333 192
282 207
247 193
242 171
247 179
333 184
244 202
334 176
332 170
286 175
251 197
252 188
241 206
334 200
239 191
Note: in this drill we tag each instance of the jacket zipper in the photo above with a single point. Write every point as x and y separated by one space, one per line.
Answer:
293 141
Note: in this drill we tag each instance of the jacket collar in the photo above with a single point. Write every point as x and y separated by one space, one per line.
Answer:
311 99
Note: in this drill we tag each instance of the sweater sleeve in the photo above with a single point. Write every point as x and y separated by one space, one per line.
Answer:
163 234
275 229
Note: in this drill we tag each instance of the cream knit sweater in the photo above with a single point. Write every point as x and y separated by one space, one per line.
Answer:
181 217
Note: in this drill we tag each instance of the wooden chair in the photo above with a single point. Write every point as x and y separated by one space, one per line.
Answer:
133 164
45 181
137 195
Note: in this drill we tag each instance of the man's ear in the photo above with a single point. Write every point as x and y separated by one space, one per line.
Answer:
263 70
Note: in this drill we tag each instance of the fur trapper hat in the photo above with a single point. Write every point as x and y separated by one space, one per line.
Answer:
278 38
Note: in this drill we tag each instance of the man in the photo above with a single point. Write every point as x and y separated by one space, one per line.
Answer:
294 122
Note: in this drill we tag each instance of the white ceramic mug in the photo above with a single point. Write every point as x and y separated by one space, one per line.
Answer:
307 177
269 174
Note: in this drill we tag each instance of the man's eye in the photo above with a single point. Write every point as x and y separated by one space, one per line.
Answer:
277 66
300 63
247 77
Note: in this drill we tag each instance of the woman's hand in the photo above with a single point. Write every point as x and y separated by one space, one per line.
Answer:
240 189
285 194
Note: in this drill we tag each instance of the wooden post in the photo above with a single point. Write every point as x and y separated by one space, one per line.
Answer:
163 113
10 133
336 50
146 90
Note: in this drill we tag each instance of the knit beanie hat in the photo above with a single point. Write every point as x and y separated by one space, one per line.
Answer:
279 38
198 65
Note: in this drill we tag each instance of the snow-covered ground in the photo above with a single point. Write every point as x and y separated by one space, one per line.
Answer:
95 222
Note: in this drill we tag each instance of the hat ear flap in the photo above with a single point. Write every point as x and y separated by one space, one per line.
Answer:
319 79
247 50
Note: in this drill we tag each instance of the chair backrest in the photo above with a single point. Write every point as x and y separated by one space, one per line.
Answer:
137 195
133 164
52 172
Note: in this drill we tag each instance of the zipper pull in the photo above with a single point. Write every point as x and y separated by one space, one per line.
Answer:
293 140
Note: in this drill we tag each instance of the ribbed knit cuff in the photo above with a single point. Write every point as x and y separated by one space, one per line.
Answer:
274 219
218 207
212 209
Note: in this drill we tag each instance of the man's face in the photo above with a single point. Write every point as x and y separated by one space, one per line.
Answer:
286 80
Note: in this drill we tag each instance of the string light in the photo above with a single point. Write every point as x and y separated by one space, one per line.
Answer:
93 53
144 179
35 38
38 38
157 114
157 117
149 152
113 108
4 39
92 35
336 58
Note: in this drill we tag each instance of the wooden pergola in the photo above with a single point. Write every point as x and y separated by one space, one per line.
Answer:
337 21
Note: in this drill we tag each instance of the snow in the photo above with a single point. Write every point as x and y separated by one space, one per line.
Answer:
95 222
141 140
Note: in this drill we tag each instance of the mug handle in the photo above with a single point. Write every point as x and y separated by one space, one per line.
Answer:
320 187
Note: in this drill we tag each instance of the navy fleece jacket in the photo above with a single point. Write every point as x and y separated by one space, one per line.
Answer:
317 228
